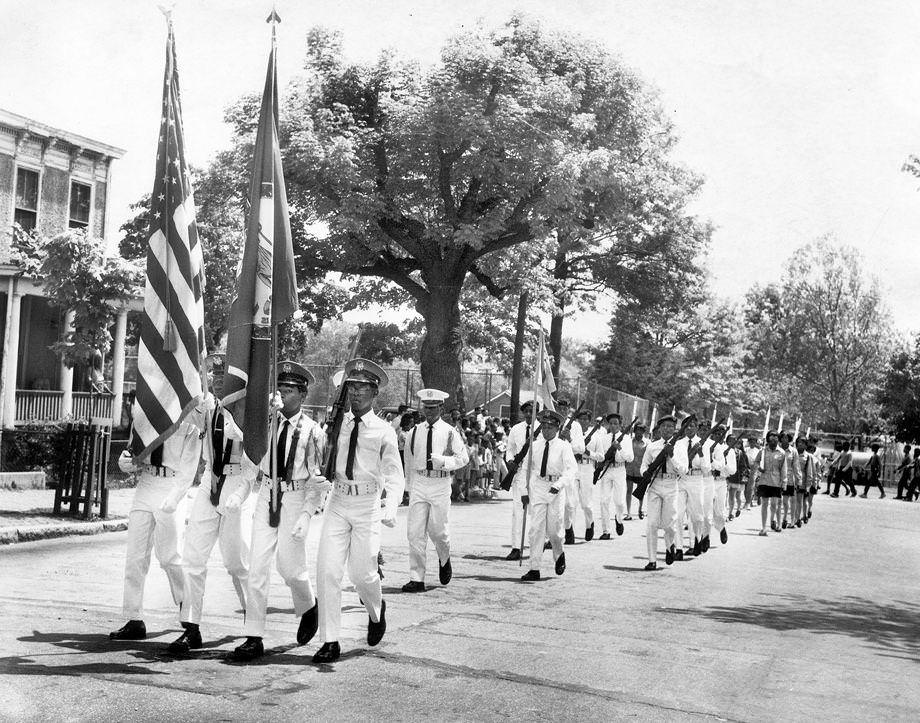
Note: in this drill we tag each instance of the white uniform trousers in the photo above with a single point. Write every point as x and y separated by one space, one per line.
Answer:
661 514
585 498
348 530
612 489
546 520
572 498
517 510
719 500
429 506
149 528
291 559
708 495
690 506
206 526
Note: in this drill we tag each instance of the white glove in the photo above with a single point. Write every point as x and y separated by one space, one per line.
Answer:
234 501
389 520
320 484
275 402
208 404
438 460
126 462
172 501
299 531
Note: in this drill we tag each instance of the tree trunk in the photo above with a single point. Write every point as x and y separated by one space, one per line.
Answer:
518 364
560 275
443 344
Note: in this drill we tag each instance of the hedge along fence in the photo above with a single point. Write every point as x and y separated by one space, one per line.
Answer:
38 446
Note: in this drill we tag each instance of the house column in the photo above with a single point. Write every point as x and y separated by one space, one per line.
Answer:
11 355
66 371
118 365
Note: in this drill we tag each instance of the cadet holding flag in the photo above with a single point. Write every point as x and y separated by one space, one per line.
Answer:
434 449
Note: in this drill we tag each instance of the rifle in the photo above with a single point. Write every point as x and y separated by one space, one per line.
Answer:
698 447
334 429
602 468
572 417
659 462
515 464
597 425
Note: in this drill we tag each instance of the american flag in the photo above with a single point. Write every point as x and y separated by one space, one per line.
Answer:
171 349
544 385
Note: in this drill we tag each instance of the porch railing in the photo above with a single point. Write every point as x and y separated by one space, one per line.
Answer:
38 405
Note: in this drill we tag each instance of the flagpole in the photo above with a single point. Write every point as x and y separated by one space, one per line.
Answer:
533 424
274 498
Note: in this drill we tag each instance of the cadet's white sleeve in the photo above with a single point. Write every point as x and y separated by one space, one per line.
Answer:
679 458
394 481
598 447
578 438
569 467
625 453
648 457
718 459
461 455
731 463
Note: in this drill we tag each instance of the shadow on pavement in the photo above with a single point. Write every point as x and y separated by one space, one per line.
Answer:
619 568
485 558
891 629
491 578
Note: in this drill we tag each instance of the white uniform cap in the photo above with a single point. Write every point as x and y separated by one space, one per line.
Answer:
432 397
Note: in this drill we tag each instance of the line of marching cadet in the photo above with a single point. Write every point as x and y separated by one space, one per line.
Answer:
556 468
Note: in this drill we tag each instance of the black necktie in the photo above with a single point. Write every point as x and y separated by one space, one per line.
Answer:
545 459
428 464
156 457
352 447
280 461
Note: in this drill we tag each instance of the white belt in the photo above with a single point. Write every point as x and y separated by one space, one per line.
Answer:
695 473
155 471
292 486
433 473
587 462
667 475
550 477
232 468
355 488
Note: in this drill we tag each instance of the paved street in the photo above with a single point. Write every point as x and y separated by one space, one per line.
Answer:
818 623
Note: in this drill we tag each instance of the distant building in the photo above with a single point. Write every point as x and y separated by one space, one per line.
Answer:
50 180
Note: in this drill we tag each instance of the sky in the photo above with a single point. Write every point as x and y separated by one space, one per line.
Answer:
798 115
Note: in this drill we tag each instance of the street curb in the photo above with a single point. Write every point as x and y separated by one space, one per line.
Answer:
32 533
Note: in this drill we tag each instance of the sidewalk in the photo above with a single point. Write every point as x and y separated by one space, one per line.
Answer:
25 516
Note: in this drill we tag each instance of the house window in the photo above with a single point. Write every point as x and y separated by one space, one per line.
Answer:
26 209
79 205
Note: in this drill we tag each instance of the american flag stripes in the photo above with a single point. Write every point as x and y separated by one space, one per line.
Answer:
171 348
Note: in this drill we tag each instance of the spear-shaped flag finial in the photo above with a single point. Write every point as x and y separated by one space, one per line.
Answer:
274 17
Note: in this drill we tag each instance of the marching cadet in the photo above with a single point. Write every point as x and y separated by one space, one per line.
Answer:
705 460
690 493
607 450
519 439
554 467
573 433
215 517
585 494
788 496
433 450
661 510
633 476
162 482
367 463
724 466
284 508
804 479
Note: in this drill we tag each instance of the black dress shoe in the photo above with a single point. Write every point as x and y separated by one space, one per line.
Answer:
669 556
329 653
686 553
652 566
376 630
515 554
589 533
414 586
704 544
249 650
309 622
131 630
570 536
723 536
188 641
560 564
605 536
547 545
445 572
697 547
619 527
531 576
678 555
